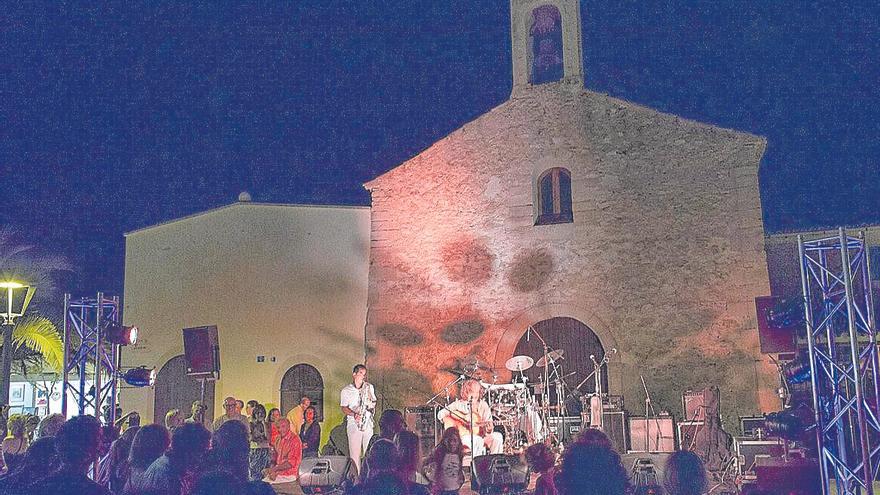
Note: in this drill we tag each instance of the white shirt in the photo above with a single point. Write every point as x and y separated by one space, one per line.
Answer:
350 397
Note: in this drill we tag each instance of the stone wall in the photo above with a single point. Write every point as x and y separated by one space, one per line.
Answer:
663 260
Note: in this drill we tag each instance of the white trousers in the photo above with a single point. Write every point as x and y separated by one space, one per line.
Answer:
494 442
358 441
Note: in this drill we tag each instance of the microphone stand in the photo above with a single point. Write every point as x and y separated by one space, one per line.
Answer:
649 406
545 393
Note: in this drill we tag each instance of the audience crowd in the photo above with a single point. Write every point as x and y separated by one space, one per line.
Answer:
247 453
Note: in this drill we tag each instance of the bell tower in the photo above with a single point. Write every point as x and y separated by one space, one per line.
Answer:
546 43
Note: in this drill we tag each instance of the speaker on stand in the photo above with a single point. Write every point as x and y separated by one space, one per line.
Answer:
201 349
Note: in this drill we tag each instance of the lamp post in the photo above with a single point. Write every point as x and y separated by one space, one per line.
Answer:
17 297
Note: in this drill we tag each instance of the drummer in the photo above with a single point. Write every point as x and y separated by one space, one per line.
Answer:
478 428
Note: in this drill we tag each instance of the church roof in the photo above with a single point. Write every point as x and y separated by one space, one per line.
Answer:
550 108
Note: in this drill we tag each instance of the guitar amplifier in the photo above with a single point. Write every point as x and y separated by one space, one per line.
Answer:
749 451
652 434
573 426
614 426
687 433
423 422
693 405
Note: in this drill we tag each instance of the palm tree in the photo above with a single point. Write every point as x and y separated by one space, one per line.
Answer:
25 263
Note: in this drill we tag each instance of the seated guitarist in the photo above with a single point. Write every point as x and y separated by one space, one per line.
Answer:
458 415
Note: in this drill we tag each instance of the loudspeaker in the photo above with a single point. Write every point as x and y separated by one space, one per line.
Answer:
423 422
499 473
572 424
326 474
652 434
201 348
614 426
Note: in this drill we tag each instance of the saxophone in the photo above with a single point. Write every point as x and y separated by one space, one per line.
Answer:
366 406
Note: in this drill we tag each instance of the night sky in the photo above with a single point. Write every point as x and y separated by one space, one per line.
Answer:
116 118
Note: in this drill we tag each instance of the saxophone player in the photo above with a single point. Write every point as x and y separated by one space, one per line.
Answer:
358 401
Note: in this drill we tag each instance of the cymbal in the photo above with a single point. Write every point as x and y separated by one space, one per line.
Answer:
459 372
552 357
519 363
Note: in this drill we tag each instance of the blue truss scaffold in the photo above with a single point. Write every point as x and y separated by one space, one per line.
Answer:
92 362
842 347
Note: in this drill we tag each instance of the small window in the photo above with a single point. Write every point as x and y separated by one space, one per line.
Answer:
554 197
546 41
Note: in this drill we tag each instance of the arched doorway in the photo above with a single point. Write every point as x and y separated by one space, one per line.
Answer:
302 380
175 390
576 339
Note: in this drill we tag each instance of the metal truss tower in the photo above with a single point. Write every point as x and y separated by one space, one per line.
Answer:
842 346
92 361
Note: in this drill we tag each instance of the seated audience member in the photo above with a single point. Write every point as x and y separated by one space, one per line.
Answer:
297 414
591 470
541 460
310 434
391 423
218 482
230 447
109 434
30 427
274 416
409 460
16 443
173 419
76 444
260 456
50 425
114 468
197 413
444 465
288 454
174 472
684 474
382 461
33 468
147 445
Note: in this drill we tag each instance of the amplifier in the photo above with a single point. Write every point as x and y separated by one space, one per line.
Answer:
614 425
751 426
749 451
423 422
652 434
573 426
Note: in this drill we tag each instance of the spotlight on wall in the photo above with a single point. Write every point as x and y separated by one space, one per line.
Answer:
118 334
140 377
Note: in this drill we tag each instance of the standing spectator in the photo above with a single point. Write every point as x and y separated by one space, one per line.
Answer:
382 462
310 434
50 425
233 413
114 469
296 416
288 454
239 406
274 416
173 419
249 408
541 460
591 470
229 451
148 444
409 460
109 434
30 427
77 444
261 453
197 413
684 474
32 469
444 465
15 444
174 472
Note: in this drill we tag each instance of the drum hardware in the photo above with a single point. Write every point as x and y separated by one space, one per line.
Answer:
519 363
550 357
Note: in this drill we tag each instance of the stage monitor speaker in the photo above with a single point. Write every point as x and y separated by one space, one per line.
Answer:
327 474
499 473
652 434
423 422
201 348
775 475
614 426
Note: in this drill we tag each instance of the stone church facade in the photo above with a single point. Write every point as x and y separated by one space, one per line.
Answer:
598 222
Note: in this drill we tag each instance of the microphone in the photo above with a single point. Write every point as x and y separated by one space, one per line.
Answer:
592 356
529 334
614 350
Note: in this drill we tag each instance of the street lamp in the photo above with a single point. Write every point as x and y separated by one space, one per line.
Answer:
17 297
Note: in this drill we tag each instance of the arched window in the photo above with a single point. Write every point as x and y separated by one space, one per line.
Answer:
546 45
554 197
303 380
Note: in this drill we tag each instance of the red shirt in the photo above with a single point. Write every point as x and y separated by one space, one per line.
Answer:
288 448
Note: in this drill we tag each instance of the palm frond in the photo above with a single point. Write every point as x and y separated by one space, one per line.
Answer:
39 334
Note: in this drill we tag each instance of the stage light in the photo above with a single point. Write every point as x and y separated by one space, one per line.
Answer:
118 334
797 371
785 424
140 377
